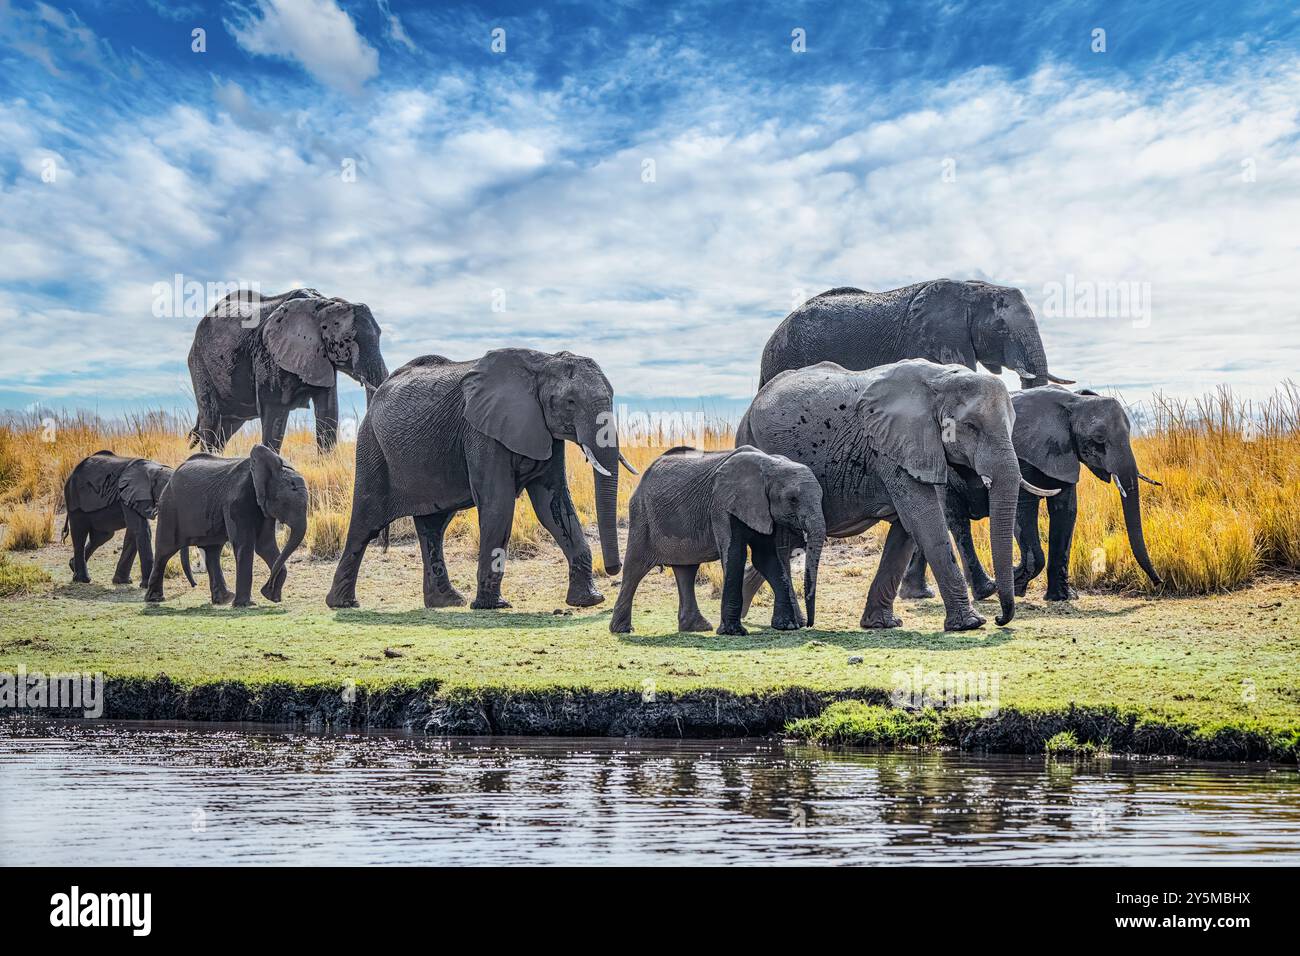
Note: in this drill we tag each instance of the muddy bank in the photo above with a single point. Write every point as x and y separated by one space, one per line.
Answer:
427 707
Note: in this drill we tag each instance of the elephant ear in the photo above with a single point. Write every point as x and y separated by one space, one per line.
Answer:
1043 435
93 484
136 487
501 401
898 414
267 466
293 336
740 488
938 323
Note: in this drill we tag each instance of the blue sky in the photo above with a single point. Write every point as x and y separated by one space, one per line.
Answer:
907 141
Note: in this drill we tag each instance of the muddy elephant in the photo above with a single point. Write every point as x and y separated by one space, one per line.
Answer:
692 507
442 436
107 493
211 501
264 356
1055 430
882 443
944 321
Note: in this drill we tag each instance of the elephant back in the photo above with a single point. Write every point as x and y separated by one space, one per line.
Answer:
93 484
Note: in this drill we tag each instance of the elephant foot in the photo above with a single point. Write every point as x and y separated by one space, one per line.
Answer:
883 618
222 597
153 597
81 579
270 594
583 595
911 589
489 603
984 590
1064 593
692 625
735 629
121 580
142 584
963 620
448 597
245 602
785 622
620 625
339 600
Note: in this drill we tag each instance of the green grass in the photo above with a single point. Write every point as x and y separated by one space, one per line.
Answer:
17 579
1219 664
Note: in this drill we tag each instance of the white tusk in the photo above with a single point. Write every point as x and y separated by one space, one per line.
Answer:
1058 380
1035 490
1115 478
1023 374
600 469
1150 481
627 464
988 482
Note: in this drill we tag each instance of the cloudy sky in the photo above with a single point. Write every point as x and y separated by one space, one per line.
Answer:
654 185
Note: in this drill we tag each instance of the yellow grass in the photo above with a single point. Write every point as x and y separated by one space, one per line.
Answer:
27 527
1229 507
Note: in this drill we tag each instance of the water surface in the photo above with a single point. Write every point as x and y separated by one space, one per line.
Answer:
98 792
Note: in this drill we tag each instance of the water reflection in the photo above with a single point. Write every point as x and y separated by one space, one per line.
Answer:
98 792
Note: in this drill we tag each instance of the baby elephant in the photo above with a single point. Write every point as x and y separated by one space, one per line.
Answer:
693 507
104 494
212 500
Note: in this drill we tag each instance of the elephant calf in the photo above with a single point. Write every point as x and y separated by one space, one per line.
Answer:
212 500
107 493
693 507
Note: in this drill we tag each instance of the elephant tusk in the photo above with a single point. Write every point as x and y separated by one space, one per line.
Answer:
1059 381
1115 478
600 469
1150 481
628 465
1035 490
988 482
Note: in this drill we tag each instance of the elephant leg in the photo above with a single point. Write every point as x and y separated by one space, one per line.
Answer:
1062 510
137 531
1031 548
635 567
752 584
689 617
244 553
894 558
914 583
80 530
982 586
154 593
438 589
734 580
220 594
326 407
343 592
921 512
268 549
122 573
98 539
495 519
775 572
275 420
549 495
225 431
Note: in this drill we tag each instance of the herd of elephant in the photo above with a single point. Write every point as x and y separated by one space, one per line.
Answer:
869 409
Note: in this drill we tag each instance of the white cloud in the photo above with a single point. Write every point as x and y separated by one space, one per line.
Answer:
316 33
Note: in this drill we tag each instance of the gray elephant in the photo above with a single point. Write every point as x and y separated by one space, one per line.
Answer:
263 356
441 436
107 493
882 443
1055 430
212 500
944 321
692 507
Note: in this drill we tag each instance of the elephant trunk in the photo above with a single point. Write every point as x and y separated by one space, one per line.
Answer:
815 533
1030 345
1131 502
1004 493
601 448
297 532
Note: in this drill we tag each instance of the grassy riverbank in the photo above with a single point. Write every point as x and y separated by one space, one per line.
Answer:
1219 668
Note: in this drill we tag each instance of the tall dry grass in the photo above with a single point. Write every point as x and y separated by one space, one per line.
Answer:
1228 510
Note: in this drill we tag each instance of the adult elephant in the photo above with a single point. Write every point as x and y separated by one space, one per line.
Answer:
262 357
882 443
1055 430
441 436
944 321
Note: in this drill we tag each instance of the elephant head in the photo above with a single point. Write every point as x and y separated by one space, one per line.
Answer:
526 400
142 484
923 416
313 337
1056 429
766 492
282 495
993 321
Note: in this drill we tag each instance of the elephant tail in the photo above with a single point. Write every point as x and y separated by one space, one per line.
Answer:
63 535
185 564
